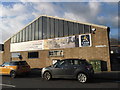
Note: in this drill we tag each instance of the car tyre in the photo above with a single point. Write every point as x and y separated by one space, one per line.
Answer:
47 76
13 74
82 78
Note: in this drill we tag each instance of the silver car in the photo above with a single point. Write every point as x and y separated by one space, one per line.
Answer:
69 68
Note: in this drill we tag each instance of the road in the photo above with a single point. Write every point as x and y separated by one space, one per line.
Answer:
35 81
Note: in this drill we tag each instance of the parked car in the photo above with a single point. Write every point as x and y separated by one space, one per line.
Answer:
14 68
69 68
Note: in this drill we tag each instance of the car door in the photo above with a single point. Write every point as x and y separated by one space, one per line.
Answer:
58 70
69 68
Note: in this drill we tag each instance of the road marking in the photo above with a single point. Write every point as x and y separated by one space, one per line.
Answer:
7 85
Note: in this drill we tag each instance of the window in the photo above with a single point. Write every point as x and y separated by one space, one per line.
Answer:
33 55
15 55
6 64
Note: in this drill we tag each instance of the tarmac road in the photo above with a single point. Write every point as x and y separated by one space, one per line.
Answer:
35 81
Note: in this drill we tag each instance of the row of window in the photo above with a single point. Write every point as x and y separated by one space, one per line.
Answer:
30 55
45 28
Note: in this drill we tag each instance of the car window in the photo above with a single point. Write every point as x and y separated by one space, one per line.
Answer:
19 63
6 64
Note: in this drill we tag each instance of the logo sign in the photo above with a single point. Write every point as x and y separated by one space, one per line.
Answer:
85 40
56 53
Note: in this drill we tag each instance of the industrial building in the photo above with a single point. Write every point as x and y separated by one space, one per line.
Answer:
47 39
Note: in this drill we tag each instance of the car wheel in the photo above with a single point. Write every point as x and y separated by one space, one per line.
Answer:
47 76
13 74
82 78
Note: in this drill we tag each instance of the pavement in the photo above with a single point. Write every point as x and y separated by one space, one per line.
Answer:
111 75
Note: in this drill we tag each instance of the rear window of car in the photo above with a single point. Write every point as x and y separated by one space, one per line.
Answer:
19 63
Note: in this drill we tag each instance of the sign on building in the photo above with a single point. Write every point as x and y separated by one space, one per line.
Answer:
54 53
85 40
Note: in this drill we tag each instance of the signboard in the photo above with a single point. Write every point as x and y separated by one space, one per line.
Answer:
56 53
85 40
26 46
63 42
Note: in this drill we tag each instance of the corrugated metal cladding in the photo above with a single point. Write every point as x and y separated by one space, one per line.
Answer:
46 28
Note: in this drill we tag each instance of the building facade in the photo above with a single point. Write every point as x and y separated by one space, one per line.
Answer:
48 39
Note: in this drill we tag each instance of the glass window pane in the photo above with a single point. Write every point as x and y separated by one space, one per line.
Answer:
24 35
60 28
36 30
27 33
33 30
44 27
48 28
76 31
70 28
86 29
66 33
30 32
81 28
56 27
33 55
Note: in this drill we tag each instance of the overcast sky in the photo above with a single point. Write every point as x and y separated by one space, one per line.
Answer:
15 15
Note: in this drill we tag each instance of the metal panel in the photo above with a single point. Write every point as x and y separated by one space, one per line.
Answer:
30 32
40 28
36 30
15 38
60 28
81 28
44 27
70 28
76 30
52 28
18 37
86 29
27 33
12 39
66 33
56 28
48 27
24 35
33 31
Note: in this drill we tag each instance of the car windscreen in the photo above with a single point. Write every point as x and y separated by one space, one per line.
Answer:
19 63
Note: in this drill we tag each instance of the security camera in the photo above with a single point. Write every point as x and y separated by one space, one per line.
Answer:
93 29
